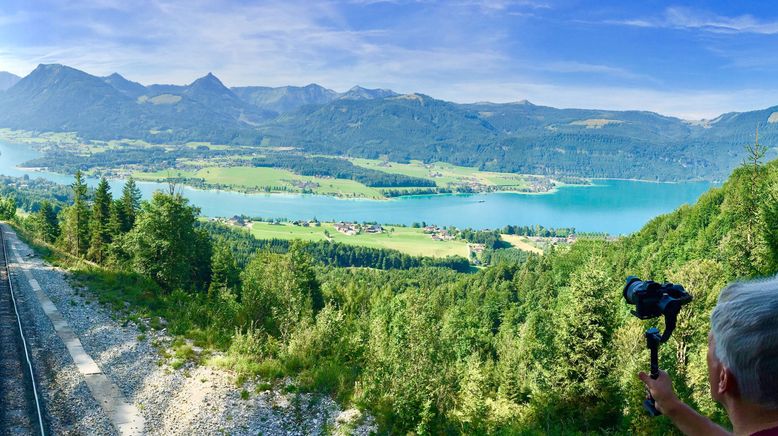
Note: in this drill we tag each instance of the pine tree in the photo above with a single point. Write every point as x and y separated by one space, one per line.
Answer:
117 220
99 231
75 220
131 197
754 155
472 410
45 223
586 321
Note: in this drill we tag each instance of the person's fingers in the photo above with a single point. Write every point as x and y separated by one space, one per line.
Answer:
644 377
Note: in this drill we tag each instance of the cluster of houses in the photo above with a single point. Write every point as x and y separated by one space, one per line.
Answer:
438 234
236 220
553 240
305 223
352 229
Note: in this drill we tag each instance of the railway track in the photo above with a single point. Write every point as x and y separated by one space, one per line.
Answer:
20 403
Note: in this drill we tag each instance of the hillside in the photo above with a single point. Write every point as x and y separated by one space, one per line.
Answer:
401 128
286 98
503 137
60 98
512 137
543 344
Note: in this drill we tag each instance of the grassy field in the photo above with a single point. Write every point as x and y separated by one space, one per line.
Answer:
34 138
245 178
234 172
521 242
405 239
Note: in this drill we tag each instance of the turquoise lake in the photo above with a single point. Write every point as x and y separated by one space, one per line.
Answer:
612 206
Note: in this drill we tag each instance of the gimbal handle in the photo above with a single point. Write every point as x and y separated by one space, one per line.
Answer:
653 339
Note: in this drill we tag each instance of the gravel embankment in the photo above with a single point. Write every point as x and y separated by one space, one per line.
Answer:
68 404
188 400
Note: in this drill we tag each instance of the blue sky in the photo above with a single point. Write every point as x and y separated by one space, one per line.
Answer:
688 59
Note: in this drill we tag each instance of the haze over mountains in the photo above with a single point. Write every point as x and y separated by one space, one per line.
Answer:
517 137
7 80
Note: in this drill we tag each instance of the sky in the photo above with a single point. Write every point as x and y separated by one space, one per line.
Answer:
688 59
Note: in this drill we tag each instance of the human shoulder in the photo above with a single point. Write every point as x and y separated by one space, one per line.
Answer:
767 432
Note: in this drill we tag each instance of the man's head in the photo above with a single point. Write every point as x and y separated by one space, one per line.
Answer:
743 344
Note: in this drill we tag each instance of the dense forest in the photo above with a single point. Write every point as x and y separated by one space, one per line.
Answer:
537 344
339 169
150 158
243 246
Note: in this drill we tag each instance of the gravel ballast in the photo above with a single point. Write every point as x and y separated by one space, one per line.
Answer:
190 399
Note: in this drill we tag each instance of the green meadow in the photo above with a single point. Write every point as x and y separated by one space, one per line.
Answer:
408 240
262 179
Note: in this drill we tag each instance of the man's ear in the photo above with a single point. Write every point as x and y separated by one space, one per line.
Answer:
727 384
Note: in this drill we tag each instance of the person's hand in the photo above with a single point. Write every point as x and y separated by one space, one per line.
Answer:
661 390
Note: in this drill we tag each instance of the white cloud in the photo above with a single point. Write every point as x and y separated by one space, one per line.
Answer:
278 42
686 18
582 67
272 43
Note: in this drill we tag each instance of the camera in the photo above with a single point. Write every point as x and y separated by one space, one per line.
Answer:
652 300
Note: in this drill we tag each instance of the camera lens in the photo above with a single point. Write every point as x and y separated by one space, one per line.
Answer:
633 285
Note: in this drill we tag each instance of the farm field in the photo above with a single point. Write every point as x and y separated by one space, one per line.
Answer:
267 179
234 171
408 240
520 242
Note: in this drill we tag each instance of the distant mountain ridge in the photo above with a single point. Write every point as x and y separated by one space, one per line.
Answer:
59 98
290 98
516 137
8 80
285 98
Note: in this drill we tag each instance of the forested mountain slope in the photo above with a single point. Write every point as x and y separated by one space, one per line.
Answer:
506 137
403 127
60 98
550 346
285 98
543 345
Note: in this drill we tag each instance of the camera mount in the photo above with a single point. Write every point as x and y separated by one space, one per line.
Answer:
653 339
653 300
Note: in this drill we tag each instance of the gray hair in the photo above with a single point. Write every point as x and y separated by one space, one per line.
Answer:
745 330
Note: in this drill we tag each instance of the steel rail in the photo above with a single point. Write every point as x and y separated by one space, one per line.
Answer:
21 333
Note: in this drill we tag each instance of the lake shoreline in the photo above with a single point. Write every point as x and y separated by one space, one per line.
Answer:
615 207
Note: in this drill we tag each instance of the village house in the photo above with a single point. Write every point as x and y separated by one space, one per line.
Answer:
476 248
349 229
237 221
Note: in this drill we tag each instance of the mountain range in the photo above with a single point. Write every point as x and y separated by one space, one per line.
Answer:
7 80
373 123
